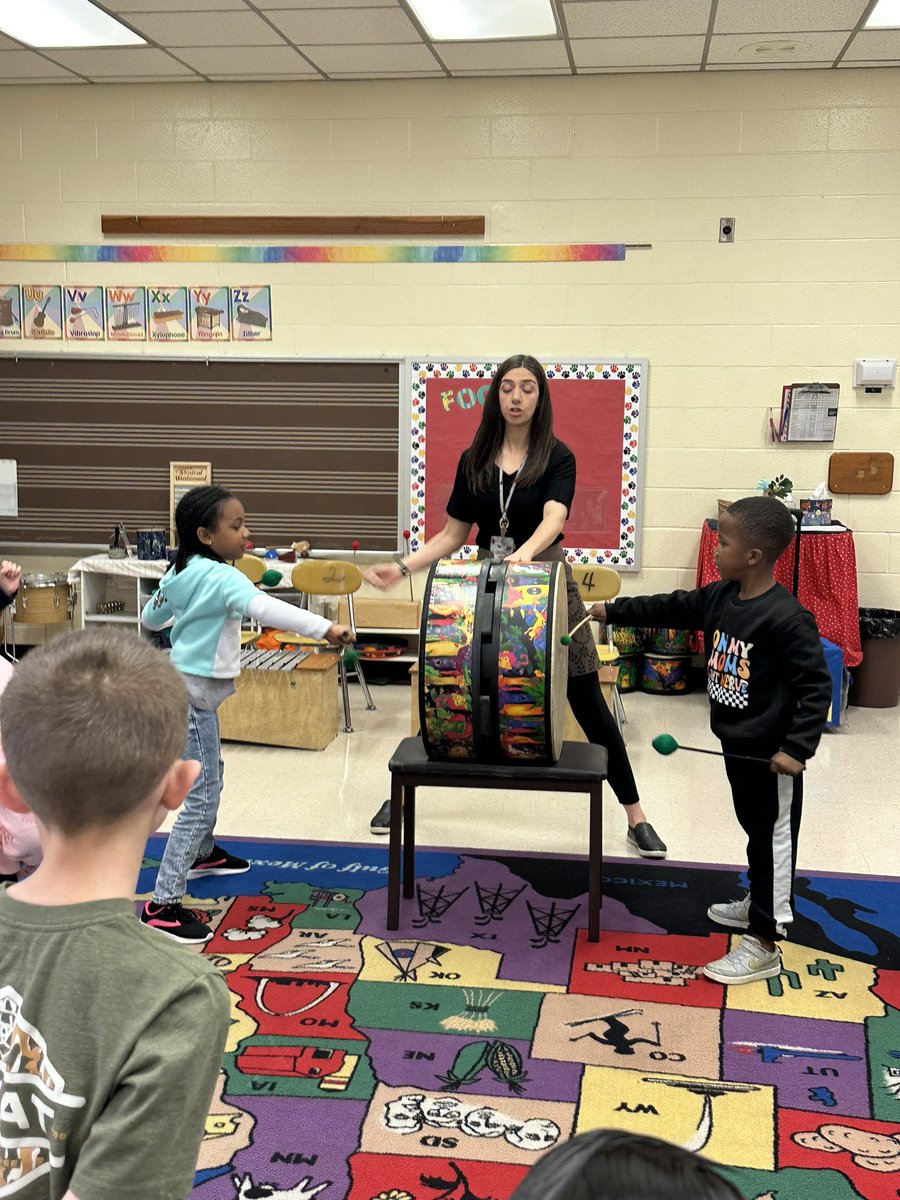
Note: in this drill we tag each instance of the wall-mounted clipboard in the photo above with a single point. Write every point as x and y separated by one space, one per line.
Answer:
809 412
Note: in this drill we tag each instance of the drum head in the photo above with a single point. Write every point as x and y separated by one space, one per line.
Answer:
533 666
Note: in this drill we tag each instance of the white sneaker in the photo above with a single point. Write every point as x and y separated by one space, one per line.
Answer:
747 962
735 913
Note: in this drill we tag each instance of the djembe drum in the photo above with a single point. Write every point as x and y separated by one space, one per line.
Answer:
492 671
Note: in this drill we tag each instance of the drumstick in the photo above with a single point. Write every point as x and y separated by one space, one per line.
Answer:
354 546
566 639
409 573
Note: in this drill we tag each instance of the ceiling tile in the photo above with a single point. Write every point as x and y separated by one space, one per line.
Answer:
775 16
343 60
494 74
503 56
881 62
637 52
23 65
744 47
636 18
791 66
8 44
205 29
120 62
274 5
255 60
874 44
126 8
369 26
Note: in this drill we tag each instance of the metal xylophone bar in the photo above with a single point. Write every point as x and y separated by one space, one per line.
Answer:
271 660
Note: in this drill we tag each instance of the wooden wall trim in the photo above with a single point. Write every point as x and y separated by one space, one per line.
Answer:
293 226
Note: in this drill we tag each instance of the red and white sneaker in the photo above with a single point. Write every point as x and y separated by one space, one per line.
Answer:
218 862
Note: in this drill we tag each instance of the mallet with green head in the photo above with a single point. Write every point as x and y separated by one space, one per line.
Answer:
664 743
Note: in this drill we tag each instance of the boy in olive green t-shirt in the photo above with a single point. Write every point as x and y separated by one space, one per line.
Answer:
110 1036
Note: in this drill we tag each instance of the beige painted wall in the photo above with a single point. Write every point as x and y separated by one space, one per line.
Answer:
808 162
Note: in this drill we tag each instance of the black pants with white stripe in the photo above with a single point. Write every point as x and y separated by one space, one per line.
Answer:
768 807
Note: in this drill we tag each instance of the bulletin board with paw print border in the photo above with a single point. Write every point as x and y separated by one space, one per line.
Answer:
599 411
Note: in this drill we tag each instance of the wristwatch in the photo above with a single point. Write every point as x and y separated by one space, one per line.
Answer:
404 569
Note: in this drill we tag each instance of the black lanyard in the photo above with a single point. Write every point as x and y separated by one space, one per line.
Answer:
506 501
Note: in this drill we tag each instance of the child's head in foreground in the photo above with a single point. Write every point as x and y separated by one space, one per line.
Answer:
753 532
92 725
609 1164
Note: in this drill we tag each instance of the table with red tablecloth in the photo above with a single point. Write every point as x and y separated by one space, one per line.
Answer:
827 584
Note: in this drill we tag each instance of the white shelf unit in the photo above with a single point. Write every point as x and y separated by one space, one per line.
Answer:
95 587
410 636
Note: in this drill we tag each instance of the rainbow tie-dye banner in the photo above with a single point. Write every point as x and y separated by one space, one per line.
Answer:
550 252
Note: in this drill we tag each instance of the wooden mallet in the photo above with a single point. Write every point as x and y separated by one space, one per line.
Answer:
566 639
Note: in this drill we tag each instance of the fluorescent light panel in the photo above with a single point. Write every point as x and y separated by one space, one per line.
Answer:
480 20
885 15
55 24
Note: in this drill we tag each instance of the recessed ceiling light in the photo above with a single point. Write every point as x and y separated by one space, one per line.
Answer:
63 23
479 20
885 15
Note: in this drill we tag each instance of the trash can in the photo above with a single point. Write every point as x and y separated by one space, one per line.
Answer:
876 682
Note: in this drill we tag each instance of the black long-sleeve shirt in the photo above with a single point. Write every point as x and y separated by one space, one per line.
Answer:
5 600
766 676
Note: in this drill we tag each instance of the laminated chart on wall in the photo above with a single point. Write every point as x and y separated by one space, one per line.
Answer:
209 314
598 410
126 314
10 311
83 314
168 314
42 312
251 314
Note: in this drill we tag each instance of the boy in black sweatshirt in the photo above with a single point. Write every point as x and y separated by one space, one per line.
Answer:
769 693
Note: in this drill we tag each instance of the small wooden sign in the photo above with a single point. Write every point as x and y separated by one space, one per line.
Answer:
861 473
182 477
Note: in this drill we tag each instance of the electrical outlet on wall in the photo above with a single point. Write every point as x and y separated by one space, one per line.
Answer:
726 229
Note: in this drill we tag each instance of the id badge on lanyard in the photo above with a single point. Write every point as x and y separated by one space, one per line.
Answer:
503 546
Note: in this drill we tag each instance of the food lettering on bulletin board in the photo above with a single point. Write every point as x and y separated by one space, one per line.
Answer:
597 409
137 313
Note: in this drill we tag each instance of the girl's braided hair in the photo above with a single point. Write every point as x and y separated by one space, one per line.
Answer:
200 508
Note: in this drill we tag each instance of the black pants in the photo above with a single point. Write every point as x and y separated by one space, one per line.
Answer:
768 807
593 715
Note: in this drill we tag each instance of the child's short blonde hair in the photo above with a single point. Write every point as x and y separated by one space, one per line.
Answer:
91 724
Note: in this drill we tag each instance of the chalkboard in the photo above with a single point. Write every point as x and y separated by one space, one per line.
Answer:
311 448
599 410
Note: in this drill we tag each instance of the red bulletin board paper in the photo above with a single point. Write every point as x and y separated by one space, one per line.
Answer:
596 412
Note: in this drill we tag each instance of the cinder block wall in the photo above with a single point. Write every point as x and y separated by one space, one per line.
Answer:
808 162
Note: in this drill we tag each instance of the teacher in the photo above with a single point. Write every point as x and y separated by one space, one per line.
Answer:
516 482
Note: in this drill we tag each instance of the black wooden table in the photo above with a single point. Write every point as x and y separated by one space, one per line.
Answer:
581 768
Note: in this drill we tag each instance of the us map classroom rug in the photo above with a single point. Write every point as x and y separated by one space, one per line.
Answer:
438 1062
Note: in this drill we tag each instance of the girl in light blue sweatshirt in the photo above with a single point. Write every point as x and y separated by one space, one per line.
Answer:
203 598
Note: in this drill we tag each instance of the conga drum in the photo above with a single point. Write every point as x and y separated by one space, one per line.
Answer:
492 671
43 600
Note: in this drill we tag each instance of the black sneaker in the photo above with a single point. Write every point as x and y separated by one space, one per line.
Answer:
381 822
218 862
644 838
176 921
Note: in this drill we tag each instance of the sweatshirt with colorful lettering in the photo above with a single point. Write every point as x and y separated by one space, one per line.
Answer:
765 672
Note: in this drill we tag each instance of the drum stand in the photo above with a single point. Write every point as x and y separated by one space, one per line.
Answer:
8 650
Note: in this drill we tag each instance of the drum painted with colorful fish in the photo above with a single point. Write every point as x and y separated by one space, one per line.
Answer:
629 672
666 674
628 639
668 641
492 671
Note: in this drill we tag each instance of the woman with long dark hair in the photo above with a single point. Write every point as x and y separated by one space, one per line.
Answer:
516 482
